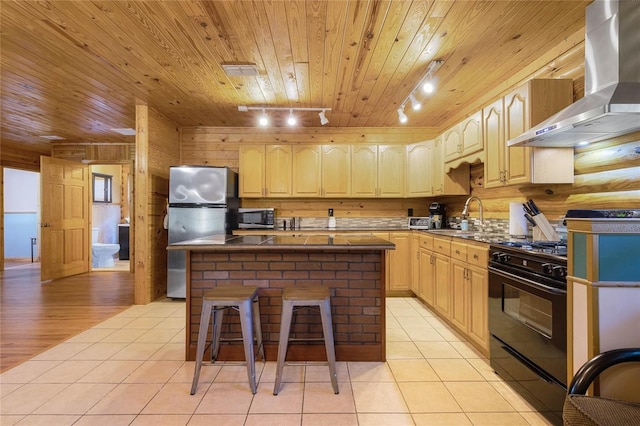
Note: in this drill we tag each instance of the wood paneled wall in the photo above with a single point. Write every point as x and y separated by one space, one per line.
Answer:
95 153
157 148
2 216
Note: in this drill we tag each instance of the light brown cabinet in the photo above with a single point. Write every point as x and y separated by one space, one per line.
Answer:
336 171
463 139
307 171
265 171
419 169
456 181
451 277
400 261
378 171
511 116
442 287
469 292
427 272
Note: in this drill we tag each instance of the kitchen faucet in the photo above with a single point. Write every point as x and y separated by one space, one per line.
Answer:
466 209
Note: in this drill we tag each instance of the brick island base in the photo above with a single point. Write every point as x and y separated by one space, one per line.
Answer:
356 280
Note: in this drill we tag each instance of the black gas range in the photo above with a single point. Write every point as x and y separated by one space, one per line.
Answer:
528 321
542 258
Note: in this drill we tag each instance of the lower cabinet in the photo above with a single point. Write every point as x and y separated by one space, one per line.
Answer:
452 278
400 262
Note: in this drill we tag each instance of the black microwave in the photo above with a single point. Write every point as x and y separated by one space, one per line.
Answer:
256 218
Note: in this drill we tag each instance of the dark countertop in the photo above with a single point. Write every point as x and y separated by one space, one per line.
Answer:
279 242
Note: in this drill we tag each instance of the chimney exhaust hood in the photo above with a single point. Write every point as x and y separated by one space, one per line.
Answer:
611 105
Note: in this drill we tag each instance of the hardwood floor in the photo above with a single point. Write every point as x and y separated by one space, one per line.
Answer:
35 316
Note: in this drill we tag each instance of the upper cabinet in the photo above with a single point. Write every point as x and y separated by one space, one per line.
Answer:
464 142
307 171
279 160
364 171
252 171
378 171
452 182
265 171
419 170
511 116
391 171
336 171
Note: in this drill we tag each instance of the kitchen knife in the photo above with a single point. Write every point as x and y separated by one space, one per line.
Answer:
533 207
527 209
530 219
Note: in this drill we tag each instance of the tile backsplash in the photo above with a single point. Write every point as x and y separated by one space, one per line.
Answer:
494 226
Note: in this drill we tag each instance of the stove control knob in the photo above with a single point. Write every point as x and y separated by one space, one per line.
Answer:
547 268
559 271
500 257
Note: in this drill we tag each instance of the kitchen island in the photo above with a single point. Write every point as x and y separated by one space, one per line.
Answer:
351 266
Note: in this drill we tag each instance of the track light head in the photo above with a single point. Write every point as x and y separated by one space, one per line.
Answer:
291 121
264 119
414 102
323 118
428 86
401 115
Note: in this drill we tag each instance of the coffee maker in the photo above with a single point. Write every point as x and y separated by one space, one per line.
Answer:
438 213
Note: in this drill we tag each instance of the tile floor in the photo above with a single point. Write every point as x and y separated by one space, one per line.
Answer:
129 370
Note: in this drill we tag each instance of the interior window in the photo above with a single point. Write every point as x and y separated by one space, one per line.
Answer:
102 188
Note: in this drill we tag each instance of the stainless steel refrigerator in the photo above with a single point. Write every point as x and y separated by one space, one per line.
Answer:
203 201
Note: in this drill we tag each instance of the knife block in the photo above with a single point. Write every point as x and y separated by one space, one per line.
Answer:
544 231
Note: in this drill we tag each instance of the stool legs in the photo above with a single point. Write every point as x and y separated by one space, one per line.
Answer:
246 322
202 340
327 331
249 311
285 327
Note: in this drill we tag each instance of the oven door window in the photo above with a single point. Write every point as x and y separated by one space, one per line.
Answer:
531 310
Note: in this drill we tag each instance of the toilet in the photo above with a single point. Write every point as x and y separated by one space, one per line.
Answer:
102 254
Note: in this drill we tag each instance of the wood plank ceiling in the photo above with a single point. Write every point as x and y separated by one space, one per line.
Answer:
76 69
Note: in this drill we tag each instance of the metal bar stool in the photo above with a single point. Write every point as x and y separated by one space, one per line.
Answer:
215 301
306 297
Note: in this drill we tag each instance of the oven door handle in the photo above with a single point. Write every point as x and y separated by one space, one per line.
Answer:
526 281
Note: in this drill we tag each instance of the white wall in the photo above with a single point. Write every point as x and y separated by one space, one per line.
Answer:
21 213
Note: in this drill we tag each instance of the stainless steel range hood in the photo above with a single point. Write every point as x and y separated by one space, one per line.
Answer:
611 105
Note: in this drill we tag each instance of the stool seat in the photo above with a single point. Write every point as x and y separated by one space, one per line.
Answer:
214 301
307 297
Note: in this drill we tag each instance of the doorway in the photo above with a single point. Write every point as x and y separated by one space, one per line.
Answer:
111 197
21 218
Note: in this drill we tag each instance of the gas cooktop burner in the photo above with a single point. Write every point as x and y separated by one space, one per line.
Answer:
549 247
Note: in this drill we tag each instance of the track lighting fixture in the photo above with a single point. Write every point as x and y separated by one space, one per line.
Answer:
263 119
414 102
323 118
291 120
401 115
427 84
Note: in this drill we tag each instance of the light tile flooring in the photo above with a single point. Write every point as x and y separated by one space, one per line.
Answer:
129 370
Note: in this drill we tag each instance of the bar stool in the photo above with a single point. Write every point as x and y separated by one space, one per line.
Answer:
215 301
306 297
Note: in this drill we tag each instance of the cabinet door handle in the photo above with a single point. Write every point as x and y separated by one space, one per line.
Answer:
457 251
475 256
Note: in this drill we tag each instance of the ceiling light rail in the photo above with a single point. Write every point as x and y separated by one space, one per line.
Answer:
263 119
427 84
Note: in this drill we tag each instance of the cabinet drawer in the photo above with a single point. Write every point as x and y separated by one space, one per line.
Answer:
478 256
459 251
426 242
442 246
